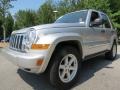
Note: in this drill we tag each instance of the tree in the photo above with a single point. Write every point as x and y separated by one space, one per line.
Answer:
63 7
5 5
116 21
45 13
9 24
101 5
25 18
1 30
115 7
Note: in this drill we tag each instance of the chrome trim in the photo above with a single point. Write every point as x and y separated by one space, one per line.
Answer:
16 42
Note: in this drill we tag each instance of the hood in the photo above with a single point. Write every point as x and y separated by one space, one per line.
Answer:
49 26
58 25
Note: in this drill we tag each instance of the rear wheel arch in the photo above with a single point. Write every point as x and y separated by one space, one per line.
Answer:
111 55
113 40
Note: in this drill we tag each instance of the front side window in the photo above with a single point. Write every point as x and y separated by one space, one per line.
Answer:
75 17
106 21
94 16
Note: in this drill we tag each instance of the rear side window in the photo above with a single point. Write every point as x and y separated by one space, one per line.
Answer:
106 20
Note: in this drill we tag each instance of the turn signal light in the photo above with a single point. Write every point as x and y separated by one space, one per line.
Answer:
40 46
39 62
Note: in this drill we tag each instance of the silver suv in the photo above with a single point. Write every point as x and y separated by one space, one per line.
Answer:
60 48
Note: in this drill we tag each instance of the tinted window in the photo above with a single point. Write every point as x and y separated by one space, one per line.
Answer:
107 23
74 17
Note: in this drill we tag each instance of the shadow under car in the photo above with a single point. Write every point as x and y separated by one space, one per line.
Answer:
89 68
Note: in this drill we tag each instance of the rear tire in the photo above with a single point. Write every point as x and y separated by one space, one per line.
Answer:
65 70
111 55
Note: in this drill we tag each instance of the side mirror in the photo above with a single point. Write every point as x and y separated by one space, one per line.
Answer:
96 22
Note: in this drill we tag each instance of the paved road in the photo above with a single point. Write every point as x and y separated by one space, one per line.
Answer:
97 74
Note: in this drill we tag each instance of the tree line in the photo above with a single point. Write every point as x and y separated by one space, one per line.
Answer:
45 14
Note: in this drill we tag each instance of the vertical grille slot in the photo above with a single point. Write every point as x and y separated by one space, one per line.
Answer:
20 45
17 43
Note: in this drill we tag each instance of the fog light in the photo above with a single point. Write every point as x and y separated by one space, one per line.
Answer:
39 62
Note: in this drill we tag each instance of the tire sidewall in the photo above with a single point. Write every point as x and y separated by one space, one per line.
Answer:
54 74
114 44
109 55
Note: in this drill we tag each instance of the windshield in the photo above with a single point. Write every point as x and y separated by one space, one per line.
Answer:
74 17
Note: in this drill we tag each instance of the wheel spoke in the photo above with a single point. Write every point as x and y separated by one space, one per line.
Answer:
63 74
71 61
66 60
72 68
68 68
62 67
68 75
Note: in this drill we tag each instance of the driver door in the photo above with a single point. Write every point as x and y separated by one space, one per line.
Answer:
95 35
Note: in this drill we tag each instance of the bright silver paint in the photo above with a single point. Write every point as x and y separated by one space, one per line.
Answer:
68 68
91 39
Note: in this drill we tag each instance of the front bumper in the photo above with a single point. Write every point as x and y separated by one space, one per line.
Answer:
26 61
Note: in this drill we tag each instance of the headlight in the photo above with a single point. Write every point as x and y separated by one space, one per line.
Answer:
30 38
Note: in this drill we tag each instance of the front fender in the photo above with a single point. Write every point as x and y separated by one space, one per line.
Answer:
58 37
53 40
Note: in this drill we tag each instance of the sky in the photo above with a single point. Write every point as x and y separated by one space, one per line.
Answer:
25 4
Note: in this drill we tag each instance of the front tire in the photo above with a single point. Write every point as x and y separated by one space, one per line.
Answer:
65 70
111 55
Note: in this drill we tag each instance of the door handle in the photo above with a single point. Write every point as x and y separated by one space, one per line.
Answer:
102 31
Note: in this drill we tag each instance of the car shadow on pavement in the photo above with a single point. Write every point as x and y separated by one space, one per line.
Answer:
89 68
37 82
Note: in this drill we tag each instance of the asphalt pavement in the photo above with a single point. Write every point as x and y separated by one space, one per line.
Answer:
97 74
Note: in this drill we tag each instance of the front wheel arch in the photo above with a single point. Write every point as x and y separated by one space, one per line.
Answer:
72 43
